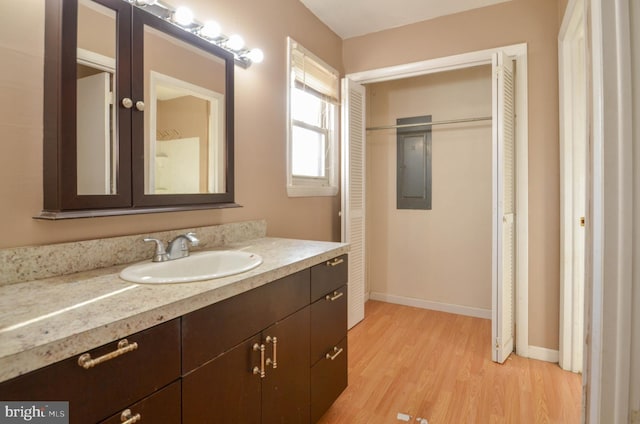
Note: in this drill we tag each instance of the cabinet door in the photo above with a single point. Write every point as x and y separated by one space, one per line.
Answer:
82 38
161 407
224 390
285 388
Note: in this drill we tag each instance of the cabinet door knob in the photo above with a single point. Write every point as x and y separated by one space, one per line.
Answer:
140 105
127 103
335 296
274 342
127 418
259 370
336 352
124 346
335 262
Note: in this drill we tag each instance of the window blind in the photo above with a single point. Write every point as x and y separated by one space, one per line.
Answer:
310 73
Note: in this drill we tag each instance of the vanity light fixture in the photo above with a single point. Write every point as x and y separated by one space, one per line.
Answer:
210 30
235 43
255 55
183 17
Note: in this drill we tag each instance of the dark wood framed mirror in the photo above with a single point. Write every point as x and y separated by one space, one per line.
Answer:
138 113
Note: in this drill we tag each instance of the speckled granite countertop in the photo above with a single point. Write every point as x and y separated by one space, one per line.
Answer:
44 321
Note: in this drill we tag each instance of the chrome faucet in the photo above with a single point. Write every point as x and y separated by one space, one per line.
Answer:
176 248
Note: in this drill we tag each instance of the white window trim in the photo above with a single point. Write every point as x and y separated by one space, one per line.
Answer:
309 187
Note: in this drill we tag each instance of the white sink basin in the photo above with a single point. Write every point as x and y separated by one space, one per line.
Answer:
195 267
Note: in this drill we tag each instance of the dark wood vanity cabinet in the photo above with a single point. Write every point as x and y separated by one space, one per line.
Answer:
328 334
230 389
107 386
273 354
306 314
255 369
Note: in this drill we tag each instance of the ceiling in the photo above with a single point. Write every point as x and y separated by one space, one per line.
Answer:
351 18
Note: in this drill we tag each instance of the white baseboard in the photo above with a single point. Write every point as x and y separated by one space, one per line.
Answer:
435 306
543 354
533 352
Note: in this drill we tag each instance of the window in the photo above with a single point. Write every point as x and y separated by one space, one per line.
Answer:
312 139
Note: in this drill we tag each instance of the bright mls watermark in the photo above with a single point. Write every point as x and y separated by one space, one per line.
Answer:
34 412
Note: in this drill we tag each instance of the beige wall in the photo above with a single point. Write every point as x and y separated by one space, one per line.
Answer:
96 30
562 7
444 254
536 23
260 129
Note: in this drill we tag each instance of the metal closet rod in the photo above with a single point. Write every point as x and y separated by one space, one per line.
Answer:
447 122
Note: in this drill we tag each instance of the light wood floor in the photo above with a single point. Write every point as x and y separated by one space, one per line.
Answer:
438 366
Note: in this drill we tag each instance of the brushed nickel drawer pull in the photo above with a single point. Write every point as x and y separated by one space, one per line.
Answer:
335 296
124 346
273 363
336 261
336 353
127 418
259 370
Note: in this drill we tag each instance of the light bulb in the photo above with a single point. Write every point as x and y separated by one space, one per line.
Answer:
235 42
183 16
255 55
211 29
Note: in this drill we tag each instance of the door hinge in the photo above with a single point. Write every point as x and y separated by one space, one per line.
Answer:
498 343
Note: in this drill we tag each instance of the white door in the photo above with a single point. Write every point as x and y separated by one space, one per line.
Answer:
503 269
94 134
353 193
573 188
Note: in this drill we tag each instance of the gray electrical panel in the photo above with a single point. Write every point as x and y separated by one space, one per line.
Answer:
414 163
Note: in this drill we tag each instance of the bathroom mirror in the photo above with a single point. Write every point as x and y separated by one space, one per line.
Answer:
96 121
184 146
138 113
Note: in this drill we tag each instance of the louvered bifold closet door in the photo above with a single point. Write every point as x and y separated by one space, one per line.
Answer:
353 193
504 207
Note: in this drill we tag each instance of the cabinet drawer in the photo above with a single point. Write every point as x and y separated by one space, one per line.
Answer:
328 276
328 380
110 386
210 331
328 322
161 407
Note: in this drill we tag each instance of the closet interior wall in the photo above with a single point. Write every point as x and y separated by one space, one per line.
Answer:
439 257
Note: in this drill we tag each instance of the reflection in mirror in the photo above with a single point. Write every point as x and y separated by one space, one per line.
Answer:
96 123
184 123
188 138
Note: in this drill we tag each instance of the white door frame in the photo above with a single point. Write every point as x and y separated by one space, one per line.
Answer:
518 52
573 125
610 266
